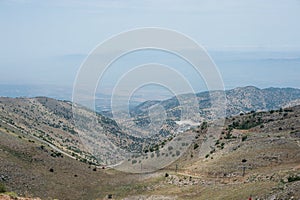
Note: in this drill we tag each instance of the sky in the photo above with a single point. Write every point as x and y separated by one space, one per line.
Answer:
252 42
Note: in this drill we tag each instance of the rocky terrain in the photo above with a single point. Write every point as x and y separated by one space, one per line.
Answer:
243 99
52 122
255 153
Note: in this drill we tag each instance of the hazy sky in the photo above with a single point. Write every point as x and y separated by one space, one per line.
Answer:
253 42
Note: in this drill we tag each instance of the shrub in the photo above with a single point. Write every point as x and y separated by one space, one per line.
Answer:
204 125
196 146
228 136
244 138
12 195
2 188
293 178
134 161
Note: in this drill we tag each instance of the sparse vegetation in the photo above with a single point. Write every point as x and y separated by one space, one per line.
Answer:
2 188
262 156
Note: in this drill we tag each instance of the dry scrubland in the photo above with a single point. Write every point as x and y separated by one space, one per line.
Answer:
256 154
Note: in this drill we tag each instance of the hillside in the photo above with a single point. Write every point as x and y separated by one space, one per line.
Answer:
243 99
52 122
270 154
257 154
28 168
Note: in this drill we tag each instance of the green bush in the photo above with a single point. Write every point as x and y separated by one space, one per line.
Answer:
2 188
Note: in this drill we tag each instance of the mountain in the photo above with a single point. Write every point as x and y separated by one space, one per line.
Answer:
256 154
54 123
242 99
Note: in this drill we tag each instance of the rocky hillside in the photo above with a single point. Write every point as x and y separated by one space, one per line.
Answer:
256 154
243 99
30 168
52 122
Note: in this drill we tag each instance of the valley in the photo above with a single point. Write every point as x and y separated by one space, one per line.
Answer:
257 153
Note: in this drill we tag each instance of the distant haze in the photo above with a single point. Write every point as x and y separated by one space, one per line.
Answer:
43 43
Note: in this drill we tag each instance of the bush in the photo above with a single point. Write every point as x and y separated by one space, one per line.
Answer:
293 178
2 188
204 125
228 136
134 162
196 146
244 138
262 126
12 195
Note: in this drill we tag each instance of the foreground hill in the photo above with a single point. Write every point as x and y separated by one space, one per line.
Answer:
52 122
28 167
